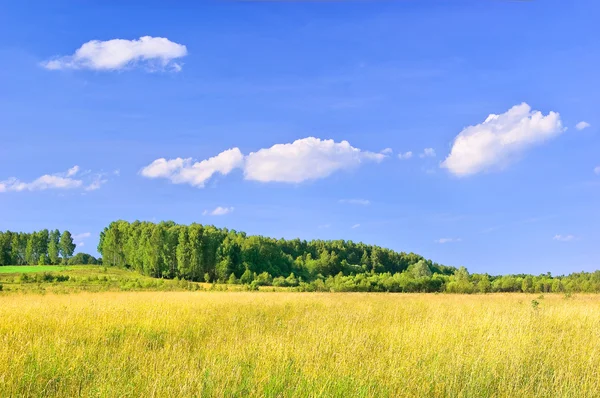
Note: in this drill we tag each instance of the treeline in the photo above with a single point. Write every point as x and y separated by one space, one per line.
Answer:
413 281
37 248
205 253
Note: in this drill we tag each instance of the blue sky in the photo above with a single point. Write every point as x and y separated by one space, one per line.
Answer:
518 193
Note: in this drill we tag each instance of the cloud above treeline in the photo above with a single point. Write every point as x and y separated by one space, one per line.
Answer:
500 139
564 238
302 160
152 53
448 240
361 202
218 211
69 180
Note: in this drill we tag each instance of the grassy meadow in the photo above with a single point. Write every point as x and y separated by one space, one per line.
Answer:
14 269
299 344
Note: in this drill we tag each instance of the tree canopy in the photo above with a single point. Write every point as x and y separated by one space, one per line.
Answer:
41 247
203 252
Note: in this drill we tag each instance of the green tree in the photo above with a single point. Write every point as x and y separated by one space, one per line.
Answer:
420 269
53 247
66 246
30 253
184 263
232 279
247 277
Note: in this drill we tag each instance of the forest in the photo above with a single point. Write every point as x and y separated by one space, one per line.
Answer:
37 248
208 254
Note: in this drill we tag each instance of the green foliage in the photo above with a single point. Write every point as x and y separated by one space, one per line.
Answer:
36 248
66 246
83 259
170 250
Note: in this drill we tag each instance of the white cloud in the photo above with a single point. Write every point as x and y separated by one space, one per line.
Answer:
495 142
324 226
152 52
83 235
305 159
405 155
597 170
72 171
218 211
183 171
362 202
582 125
355 226
448 240
564 238
80 244
39 184
428 153
63 181
387 151
96 183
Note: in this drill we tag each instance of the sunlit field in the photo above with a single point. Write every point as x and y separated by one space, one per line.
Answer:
9 269
299 344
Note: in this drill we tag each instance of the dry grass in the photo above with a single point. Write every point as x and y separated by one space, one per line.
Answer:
294 344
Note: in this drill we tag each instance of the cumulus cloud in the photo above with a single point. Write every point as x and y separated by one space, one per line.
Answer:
355 226
62 181
185 171
305 159
428 153
499 139
582 125
155 53
405 155
218 211
362 202
564 238
448 240
387 151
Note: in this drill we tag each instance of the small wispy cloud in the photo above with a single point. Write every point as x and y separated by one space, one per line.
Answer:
71 179
324 226
72 171
448 240
405 155
218 211
81 236
355 226
597 170
387 151
361 202
564 238
428 153
582 125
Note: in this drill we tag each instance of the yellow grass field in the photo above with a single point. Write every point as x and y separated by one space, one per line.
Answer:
170 344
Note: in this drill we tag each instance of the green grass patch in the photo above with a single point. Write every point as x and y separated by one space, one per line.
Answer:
14 269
